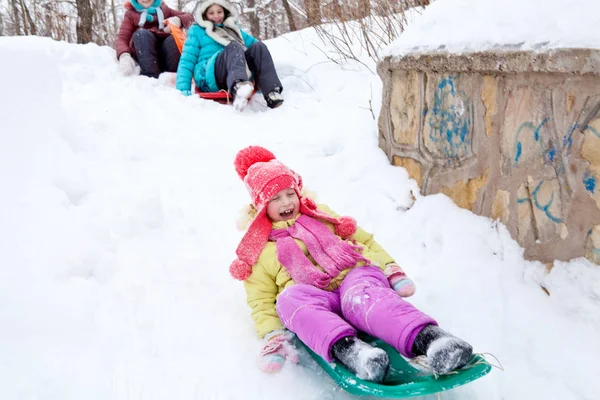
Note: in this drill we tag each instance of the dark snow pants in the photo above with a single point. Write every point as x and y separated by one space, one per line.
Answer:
233 64
155 54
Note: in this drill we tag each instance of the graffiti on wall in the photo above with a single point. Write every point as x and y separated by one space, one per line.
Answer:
534 198
450 119
589 179
530 130
548 150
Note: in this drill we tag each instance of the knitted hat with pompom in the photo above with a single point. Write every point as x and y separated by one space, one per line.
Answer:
264 177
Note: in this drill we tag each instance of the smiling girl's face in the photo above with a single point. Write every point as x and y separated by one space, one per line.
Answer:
215 13
284 205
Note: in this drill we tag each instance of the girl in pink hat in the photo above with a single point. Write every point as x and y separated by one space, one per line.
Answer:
310 272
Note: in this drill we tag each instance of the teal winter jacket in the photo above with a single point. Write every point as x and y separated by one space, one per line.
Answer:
198 58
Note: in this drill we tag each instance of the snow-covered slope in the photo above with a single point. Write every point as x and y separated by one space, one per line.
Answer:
117 225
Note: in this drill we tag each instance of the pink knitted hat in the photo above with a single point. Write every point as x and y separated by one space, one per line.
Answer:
264 177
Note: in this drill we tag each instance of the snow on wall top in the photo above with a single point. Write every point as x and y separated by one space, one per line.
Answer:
460 26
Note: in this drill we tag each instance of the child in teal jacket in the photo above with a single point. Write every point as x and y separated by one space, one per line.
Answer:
219 55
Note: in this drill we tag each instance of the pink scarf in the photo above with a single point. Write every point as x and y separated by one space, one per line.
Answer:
329 251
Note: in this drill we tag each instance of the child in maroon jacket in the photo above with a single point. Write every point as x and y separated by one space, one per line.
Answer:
145 37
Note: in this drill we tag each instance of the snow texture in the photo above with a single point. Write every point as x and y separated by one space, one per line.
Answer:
461 26
117 227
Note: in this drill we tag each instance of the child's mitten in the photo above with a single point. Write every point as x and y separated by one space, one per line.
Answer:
277 349
175 21
127 64
401 283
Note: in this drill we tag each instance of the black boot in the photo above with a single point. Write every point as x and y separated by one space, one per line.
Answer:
365 361
444 352
274 98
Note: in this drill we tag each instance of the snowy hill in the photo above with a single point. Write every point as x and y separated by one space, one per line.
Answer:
117 225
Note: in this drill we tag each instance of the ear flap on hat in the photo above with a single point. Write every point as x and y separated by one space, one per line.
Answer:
240 270
346 227
251 246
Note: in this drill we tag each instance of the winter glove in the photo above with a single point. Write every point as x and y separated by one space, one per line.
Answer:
277 349
401 283
127 64
176 21
186 92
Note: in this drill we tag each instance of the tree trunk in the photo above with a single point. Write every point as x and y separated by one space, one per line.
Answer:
28 24
1 24
84 21
313 12
15 18
99 22
290 16
253 18
113 12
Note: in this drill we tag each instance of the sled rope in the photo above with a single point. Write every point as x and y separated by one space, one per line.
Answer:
485 361
227 93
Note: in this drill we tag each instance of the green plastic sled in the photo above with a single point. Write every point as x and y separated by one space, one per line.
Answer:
403 380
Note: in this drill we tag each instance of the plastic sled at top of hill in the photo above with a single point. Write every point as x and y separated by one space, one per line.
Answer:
403 380
223 97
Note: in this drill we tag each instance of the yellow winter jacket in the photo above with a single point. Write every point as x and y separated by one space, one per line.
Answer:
269 277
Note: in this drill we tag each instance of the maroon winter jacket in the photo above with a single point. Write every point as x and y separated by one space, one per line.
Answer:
124 43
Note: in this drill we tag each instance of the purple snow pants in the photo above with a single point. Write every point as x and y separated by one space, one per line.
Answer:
364 301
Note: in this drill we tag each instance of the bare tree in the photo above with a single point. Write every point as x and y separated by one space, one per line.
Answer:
16 23
374 22
290 16
28 24
252 15
100 25
113 13
84 21
370 24
313 12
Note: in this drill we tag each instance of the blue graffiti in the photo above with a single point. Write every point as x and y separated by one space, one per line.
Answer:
590 182
568 138
450 119
593 130
536 136
552 153
544 208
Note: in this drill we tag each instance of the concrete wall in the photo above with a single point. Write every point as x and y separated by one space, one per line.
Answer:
514 136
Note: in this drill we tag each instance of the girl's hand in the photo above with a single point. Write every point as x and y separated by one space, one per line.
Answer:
402 284
277 349
127 64
176 21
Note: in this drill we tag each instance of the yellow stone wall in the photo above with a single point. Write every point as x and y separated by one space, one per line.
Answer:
522 148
